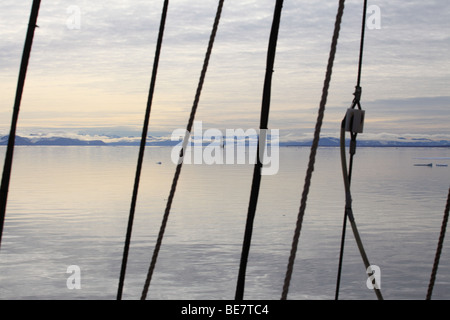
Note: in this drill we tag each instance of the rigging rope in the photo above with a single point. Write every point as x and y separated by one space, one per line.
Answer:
265 107
439 248
349 211
353 125
12 135
185 142
314 148
356 102
142 150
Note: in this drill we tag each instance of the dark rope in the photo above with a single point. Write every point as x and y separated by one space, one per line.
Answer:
256 182
356 102
4 189
361 46
180 163
439 248
314 148
349 210
142 150
344 227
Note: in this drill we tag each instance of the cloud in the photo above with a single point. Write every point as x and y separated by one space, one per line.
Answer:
99 74
427 115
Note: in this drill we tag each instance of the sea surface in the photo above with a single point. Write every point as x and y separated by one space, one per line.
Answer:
69 206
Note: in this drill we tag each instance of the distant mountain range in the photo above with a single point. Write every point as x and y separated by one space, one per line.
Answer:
158 141
401 142
53 141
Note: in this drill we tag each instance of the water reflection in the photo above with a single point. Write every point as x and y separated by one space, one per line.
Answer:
69 206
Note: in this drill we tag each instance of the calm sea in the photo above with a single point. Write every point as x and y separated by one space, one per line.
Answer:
69 206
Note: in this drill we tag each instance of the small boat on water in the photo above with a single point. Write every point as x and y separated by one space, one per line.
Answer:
423 165
441 165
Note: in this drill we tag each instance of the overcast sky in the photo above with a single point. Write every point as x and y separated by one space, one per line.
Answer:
90 73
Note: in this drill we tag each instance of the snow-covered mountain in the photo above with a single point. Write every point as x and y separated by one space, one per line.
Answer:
163 141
